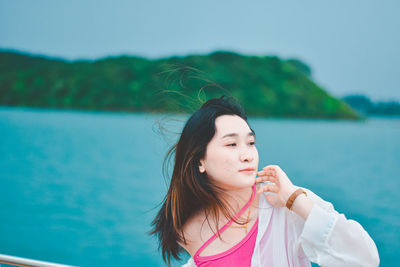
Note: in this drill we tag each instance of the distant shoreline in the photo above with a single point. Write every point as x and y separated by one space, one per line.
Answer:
127 113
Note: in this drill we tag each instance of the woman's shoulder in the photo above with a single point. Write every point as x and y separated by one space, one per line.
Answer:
191 231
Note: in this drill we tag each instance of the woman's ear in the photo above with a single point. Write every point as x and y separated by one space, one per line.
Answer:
202 169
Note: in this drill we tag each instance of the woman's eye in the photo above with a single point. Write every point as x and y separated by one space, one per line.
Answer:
252 143
233 144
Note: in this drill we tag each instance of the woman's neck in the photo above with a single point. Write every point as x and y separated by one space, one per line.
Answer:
237 199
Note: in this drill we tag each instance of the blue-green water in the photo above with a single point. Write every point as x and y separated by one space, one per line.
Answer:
78 188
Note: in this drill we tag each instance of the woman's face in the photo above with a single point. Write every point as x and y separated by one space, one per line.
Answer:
231 158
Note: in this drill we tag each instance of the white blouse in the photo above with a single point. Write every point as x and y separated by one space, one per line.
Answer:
327 238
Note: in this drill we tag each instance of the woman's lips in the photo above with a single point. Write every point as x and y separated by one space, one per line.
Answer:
247 171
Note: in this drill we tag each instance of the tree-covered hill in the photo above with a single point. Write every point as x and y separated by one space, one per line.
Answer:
266 86
365 106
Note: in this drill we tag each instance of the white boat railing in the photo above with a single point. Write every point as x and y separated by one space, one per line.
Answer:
17 261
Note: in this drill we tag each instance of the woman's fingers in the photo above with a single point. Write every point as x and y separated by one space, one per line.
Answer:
266 178
269 188
271 168
281 184
270 198
267 172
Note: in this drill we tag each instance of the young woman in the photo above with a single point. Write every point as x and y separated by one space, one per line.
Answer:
224 212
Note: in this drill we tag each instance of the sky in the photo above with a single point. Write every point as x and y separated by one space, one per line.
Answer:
352 46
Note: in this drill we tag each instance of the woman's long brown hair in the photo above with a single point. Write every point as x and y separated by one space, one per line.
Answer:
191 191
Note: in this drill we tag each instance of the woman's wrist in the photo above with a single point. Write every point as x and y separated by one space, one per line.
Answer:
302 205
289 193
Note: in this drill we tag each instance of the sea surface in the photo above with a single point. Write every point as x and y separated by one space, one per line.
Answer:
81 188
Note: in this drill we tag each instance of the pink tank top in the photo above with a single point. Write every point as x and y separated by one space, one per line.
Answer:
238 255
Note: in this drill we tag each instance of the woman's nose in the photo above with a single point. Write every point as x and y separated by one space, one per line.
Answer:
246 156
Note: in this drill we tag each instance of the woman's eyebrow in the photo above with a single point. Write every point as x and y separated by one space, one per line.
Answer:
235 135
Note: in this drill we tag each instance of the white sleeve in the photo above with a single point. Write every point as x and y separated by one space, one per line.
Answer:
190 263
329 239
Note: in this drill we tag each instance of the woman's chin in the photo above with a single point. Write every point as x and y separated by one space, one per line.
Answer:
253 181
239 182
249 181
252 178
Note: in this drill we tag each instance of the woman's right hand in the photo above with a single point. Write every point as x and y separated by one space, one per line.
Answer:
282 186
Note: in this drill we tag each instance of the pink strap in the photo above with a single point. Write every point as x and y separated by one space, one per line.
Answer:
228 223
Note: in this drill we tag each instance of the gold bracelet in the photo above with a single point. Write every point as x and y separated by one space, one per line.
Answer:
293 197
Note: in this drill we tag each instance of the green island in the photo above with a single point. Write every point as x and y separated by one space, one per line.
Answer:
266 86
